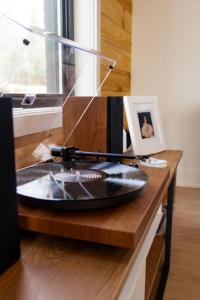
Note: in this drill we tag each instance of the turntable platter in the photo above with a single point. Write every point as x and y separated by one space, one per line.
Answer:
79 184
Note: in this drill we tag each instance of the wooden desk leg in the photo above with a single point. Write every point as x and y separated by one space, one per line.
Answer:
168 238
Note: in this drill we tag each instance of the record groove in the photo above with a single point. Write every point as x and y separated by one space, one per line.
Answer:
79 184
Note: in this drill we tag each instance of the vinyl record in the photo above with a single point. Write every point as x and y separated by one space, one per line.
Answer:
79 184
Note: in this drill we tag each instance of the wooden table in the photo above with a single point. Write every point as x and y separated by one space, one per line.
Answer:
53 267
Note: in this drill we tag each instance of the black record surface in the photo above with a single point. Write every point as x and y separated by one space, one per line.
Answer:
79 184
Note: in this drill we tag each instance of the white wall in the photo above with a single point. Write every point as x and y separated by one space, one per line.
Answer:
166 63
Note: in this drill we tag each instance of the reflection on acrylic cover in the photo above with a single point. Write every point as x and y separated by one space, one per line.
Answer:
146 125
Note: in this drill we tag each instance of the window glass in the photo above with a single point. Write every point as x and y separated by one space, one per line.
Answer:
33 69
22 69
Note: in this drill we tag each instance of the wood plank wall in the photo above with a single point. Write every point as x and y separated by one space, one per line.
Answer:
90 135
116 19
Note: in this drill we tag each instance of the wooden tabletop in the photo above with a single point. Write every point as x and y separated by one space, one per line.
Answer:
119 226
59 268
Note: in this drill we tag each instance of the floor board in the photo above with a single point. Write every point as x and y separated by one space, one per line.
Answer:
184 277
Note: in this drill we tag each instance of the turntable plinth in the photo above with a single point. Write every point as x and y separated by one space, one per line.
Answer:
118 226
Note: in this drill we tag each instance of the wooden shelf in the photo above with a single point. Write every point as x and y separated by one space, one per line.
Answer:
154 264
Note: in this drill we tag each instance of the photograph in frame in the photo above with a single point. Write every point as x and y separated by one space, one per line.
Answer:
144 124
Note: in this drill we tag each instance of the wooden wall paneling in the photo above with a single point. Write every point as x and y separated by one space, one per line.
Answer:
116 26
121 55
127 4
114 10
118 84
127 21
115 34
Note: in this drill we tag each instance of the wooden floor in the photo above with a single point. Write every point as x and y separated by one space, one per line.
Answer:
184 278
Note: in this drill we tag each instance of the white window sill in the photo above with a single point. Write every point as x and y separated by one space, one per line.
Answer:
34 120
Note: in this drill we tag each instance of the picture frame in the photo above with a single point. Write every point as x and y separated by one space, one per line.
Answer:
144 123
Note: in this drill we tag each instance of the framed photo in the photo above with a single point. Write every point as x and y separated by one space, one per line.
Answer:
144 122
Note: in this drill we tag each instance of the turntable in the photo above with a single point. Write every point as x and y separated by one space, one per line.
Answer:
58 176
79 184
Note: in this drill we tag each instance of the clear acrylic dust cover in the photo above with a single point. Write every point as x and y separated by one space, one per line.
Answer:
44 73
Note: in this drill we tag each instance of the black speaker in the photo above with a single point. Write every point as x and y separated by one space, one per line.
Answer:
9 230
115 125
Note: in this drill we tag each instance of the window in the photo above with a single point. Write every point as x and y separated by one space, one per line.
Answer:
38 68
28 69
31 70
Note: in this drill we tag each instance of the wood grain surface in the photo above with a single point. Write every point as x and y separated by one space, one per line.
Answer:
116 28
90 134
184 276
57 268
120 226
